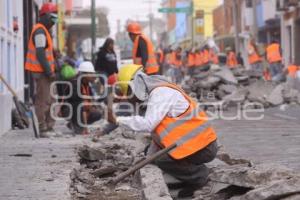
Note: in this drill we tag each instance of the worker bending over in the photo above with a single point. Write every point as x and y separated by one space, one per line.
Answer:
173 118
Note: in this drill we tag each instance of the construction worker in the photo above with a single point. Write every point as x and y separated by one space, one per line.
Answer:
205 56
231 58
213 57
177 64
40 62
190 62
274 58
254 59
173 118
143 50
198 58
81 100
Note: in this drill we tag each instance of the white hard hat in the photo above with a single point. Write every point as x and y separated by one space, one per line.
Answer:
86 66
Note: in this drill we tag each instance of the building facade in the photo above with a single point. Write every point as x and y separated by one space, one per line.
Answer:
11 57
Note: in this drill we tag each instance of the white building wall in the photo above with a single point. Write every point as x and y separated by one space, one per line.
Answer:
11 58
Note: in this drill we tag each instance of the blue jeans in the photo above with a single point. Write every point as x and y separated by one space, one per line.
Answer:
275 69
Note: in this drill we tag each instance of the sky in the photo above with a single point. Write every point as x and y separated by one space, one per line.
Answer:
126 9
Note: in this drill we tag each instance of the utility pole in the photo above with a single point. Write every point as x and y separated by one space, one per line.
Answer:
235 24
93 28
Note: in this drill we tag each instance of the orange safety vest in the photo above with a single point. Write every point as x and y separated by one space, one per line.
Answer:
198 59
231 60
254 57
206 57
32 64
292 70
213 57
191 60
190 131
175 61
273 53
85 91
151 65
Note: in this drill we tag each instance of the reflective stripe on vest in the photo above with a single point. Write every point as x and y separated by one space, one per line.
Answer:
191 132
151 64
273 53
32 64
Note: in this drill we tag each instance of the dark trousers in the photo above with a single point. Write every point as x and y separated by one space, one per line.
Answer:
190 170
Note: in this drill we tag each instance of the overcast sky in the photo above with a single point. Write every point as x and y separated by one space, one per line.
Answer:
127 9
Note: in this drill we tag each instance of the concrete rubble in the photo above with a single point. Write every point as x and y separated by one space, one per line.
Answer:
239 86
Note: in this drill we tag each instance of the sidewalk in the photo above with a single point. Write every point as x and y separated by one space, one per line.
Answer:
44 175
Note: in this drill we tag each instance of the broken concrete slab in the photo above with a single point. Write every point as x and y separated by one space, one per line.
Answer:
153 184
228 89
237 96
87 153
274 190
276 96
251 177
226 75
259 91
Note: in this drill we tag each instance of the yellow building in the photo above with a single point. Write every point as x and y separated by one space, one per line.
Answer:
207 6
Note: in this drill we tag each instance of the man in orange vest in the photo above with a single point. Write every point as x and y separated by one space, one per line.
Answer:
143 50
254 59
40 62
274 58
198 58
231 58
177 64
190 62
173 118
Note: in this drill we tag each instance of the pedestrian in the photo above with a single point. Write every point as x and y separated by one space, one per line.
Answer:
106 62
143 50
274 58
82 102
254 59
173 118
231 60
40 63
160 57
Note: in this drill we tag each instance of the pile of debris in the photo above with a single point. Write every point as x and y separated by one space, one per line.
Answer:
238 87
100 162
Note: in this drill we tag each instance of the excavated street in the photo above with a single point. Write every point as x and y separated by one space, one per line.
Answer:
40 169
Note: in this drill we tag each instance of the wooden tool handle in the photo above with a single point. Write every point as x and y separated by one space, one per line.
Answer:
141 164
8 86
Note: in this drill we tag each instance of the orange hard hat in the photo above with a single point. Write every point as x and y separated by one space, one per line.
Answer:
134 28
48 8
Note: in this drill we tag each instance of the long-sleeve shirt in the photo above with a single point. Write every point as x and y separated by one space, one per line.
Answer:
163 101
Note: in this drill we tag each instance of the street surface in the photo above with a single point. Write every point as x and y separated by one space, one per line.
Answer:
45 175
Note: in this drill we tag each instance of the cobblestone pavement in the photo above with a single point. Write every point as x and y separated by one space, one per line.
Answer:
44 175
275 139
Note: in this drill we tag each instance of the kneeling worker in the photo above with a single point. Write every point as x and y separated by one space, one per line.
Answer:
172 117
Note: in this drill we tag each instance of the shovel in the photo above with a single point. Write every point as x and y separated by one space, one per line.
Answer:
139 165
20 106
